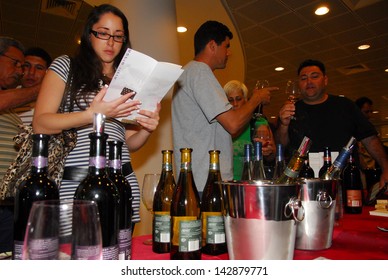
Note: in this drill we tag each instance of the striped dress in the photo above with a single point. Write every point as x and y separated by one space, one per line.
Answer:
79 156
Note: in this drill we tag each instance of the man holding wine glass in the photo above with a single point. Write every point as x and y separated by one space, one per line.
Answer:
202 117
328 120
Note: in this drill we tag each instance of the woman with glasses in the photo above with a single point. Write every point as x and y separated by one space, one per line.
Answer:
104 40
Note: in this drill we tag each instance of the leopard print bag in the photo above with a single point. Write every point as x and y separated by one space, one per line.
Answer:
60 145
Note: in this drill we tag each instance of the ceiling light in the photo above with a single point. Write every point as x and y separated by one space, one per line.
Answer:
386 70
323 10
363 47
279 69
375 112
181 29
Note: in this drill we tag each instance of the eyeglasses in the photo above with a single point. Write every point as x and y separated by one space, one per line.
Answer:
106 36
17 63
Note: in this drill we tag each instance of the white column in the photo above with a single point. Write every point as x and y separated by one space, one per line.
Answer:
152 29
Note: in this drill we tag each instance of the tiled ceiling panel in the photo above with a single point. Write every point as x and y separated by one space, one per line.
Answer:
294 33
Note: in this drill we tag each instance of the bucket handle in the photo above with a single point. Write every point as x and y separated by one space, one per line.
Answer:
325 200
294 204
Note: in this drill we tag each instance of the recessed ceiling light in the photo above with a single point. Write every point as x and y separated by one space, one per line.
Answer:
279 69
181 29
375 112
323 10
363 47
386 70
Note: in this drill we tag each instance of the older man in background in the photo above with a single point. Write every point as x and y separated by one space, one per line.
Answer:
11 62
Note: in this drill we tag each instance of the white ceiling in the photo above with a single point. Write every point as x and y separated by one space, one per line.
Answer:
272 32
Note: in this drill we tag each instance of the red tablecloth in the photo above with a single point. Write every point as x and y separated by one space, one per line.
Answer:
355 238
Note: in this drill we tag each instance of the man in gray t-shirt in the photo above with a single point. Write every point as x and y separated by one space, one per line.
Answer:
202 118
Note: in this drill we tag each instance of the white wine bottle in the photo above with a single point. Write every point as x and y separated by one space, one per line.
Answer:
247 164
291 173
258 172
212 208
334 173
334 170
280 163
185 214
161 225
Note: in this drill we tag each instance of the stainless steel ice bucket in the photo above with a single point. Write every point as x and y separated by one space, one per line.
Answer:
260 219
318 198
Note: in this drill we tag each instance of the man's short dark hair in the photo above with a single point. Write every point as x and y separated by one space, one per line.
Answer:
210 30
362 100
39 52
312 62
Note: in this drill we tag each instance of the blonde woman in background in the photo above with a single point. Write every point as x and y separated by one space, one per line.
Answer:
238 94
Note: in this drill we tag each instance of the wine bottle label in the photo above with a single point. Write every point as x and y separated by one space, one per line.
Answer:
125 243
187 233
115 163
167 166
186 166
17 249
110 253
87 252
44 249
99 162
214 166
39 161
353 198
341 159
213 228
162 226
291 173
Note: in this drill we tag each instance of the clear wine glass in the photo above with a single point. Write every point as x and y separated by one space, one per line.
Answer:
293 92
150 183
49 236
263 134
260 84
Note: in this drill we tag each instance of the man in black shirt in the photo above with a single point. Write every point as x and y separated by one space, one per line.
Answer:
328 120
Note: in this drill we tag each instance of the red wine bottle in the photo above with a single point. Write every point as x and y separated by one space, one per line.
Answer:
125 223
326 162
212 208
99 188
37 186
306 172
352 188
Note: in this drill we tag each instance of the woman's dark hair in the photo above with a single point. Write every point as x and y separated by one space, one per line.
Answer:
210 30
86 66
